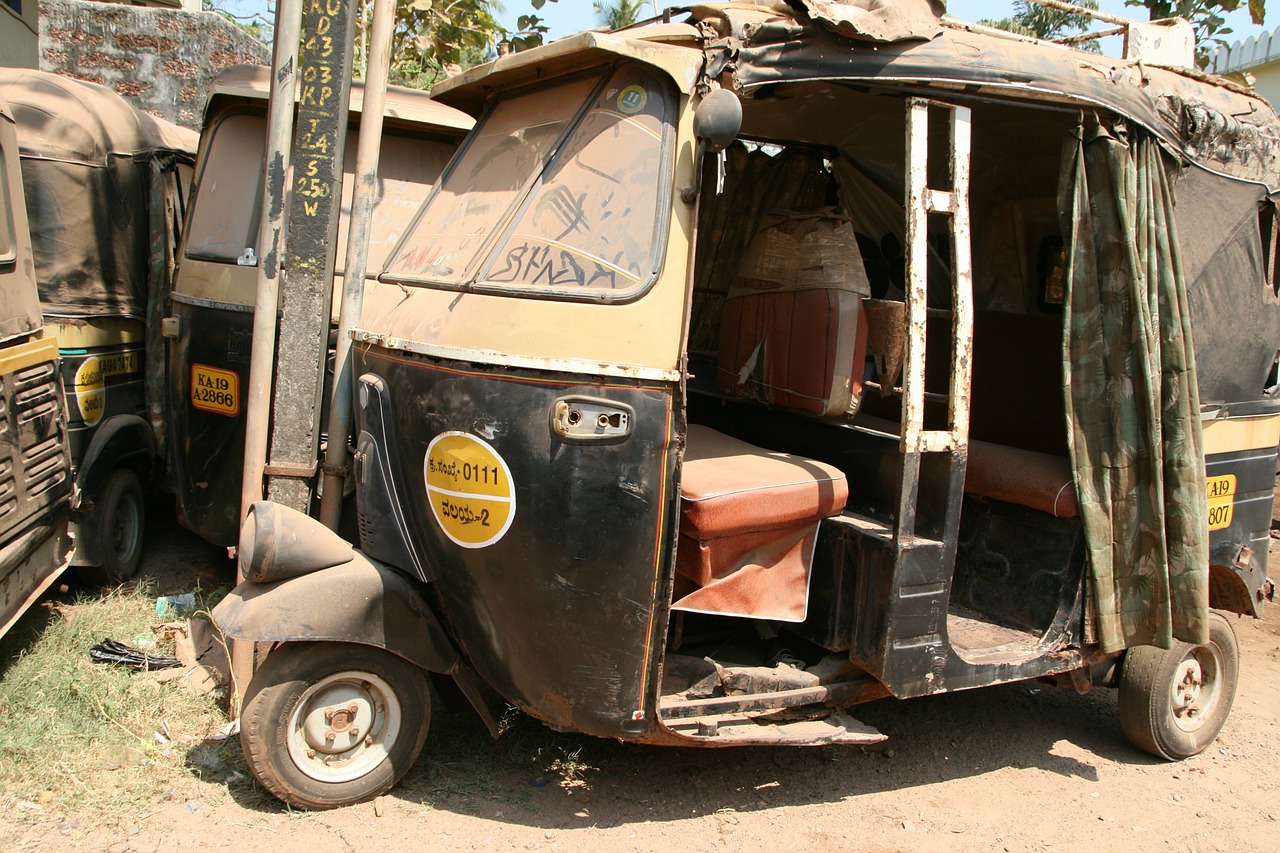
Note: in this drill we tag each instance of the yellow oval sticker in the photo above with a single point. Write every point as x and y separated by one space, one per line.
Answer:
91 390
469 488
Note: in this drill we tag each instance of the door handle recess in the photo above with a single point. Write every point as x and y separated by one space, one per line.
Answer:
591 419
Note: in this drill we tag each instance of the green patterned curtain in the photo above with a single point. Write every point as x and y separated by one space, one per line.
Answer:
1133 410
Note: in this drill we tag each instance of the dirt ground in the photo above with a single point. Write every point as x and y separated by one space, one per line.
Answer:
1013 768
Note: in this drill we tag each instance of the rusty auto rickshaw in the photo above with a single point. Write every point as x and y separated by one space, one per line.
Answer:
210 326
747 367
105 187
35 463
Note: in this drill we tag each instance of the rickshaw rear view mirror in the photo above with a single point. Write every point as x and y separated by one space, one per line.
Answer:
717 119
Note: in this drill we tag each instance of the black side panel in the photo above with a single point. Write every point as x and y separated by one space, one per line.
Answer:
564 611
101 383
207 444
1017 566
1241 520
384 528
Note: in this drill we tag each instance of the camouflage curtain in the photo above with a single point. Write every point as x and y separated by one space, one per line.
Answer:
1133 411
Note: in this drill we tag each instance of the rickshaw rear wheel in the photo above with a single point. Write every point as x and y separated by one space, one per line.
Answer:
122 518
1173 702
330 724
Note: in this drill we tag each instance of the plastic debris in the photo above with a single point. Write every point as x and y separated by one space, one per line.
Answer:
113 651
175 606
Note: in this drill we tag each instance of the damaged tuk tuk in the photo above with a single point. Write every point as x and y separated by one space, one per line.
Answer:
746 367
105 187
35 464
210 326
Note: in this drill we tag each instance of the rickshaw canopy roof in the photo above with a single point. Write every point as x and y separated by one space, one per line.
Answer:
64 119
253 82
19 302
1207 120
93 190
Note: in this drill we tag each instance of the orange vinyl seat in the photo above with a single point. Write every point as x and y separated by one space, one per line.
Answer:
1026 477
748 525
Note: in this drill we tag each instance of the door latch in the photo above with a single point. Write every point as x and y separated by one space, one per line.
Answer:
590 419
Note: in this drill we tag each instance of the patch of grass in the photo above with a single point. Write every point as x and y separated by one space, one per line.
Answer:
76 734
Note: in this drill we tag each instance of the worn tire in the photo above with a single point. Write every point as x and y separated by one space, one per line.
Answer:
1173 702
122 520
381 705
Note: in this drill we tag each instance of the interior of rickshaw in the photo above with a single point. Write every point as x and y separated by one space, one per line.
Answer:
795 402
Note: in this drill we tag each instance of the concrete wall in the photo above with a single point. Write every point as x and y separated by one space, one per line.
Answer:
1258 56
162 60
1267 82
18 34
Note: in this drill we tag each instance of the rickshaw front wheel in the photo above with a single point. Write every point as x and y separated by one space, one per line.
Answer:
329 724
1173 702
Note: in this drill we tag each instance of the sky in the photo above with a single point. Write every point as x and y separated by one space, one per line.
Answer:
569 16
565 17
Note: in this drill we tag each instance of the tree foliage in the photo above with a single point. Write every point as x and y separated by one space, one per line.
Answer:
620 13
1032 19
434 39
257 25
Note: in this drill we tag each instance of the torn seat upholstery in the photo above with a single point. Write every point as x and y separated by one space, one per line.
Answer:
793 333
748 525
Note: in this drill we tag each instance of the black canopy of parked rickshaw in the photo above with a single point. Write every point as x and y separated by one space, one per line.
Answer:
87 163
19 306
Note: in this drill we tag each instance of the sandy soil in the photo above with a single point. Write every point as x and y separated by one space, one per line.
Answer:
1014 768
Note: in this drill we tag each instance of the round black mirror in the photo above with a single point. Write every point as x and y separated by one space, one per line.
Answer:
717 119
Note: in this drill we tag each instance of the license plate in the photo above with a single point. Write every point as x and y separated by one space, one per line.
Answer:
1222 500
215 390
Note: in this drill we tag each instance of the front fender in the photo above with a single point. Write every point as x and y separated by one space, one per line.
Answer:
122 441
359 601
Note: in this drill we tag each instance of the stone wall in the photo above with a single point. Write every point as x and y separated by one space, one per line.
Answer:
161 60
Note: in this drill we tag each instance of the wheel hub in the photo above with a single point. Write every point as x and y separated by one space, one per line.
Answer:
343 726
1196 687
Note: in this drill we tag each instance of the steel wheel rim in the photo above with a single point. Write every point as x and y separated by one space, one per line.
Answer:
1196 687
124 529
344 726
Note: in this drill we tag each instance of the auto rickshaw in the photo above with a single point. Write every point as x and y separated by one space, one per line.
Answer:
211 325
747 367
105 187
35 464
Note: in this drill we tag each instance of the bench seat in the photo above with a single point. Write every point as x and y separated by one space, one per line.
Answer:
748 523
1026 477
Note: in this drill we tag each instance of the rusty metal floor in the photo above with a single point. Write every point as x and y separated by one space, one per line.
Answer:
979 640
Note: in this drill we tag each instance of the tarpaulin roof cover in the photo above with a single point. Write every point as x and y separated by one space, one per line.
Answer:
87 158
1204 119
19 306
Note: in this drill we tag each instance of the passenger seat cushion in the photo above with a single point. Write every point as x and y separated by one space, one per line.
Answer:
1025 477
749 520
729 487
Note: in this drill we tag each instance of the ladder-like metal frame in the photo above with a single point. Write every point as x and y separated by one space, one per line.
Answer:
921 201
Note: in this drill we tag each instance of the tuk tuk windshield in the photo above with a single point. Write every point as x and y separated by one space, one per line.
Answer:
226 212
575 212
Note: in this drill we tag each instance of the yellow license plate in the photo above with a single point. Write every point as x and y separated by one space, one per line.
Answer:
1222 500
215 390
